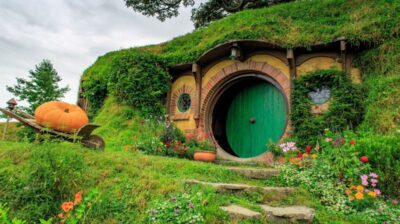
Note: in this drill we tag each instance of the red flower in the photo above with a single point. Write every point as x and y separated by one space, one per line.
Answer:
67 206
352 142
364 159
168 144
300 155
308 149
78 197
188 136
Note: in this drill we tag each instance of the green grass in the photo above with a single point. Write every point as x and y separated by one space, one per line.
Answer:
381 74
36 178
128 182
12 130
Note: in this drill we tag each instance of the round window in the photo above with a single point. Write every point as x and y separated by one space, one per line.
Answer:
184 102
320 95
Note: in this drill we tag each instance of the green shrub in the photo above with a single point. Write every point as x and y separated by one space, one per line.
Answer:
346 105
140 80
384 156
39 188
381 74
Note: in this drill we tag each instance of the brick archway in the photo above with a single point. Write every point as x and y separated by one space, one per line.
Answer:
215 85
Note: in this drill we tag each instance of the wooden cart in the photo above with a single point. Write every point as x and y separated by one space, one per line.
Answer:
84 135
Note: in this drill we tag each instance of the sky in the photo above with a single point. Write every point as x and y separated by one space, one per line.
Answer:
72 34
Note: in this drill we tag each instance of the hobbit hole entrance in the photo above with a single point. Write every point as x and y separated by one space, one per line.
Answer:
245 101
248 113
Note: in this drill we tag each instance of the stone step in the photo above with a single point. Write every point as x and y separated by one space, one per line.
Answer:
223 187
255 173
238 212
291 214
241 163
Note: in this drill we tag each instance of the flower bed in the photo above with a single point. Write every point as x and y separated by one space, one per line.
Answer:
340 175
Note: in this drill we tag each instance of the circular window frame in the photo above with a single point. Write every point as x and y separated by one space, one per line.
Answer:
318 91
186 107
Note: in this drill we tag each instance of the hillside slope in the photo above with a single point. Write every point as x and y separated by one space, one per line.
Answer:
297 24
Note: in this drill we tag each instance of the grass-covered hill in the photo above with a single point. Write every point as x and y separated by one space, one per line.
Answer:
297 24
35 178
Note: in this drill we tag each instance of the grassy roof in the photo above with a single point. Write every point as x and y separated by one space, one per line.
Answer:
297 24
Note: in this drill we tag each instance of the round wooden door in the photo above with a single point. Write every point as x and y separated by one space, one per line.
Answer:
256 116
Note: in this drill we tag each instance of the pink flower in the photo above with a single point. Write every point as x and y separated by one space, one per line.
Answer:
374 181
377 191
364 177
365 183
373 175
328 140
191 205
373 185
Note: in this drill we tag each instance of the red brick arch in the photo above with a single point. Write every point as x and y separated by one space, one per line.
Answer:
174 98
236 69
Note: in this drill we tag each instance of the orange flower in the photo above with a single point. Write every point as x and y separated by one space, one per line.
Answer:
351 198
60 216
348 191
360 188
353 187
67 206
78 197
359 196
372 194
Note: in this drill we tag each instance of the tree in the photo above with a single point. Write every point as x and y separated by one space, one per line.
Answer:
42 86
207 12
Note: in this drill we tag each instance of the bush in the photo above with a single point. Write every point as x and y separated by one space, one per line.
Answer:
49 178
384 156
140 80
346 105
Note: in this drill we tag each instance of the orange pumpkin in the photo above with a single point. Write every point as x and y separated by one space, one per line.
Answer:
61 116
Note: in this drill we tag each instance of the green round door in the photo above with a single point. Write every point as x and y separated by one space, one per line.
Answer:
256 115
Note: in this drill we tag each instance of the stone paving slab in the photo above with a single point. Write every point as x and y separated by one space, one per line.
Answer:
222 187
255 173
238 212
292 214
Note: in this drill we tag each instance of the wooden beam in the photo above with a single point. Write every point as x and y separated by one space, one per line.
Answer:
291 62
196 70
343 56
169 100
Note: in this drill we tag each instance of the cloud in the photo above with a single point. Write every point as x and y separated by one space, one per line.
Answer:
72 34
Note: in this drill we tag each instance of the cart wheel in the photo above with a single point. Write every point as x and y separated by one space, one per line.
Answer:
94 142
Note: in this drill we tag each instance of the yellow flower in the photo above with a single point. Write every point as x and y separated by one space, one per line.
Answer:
305 155
372 194
348 192
359 196
314 156
360 188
